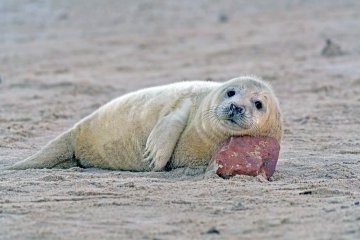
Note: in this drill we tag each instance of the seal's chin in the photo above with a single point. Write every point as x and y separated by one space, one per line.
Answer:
237 123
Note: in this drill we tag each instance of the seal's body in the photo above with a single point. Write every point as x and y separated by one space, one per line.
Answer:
169 126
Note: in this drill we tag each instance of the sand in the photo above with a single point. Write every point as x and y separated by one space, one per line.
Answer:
61 60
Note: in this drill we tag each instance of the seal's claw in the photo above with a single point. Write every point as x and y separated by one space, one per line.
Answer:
146 156
152 165
150 158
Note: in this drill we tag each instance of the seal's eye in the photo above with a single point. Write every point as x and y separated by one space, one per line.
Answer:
230 93
258 105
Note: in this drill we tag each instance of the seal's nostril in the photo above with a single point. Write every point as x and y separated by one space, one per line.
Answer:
236 109
241 110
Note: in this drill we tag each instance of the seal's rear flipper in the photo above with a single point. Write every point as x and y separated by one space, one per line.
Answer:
57 153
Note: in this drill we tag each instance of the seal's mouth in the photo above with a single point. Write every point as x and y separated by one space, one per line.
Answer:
238 123
232 121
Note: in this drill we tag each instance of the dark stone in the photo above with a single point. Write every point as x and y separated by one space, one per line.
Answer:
212 230
223 18
331 49
306 193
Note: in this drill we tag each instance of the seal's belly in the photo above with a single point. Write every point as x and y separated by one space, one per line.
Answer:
113 140
110 150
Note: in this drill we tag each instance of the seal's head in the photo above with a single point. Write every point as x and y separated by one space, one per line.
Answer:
247 106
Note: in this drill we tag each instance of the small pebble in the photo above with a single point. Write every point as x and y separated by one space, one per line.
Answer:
223 18
306 193
129 184
213 230
331 49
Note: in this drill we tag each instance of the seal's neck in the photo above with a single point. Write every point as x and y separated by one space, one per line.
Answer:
205 126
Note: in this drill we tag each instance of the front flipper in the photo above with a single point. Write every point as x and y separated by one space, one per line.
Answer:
164 136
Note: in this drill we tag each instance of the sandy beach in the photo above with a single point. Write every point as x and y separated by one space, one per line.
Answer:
61 60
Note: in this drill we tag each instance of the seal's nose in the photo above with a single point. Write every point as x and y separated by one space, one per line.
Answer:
235 109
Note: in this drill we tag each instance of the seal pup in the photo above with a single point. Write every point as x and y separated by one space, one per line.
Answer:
165 127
